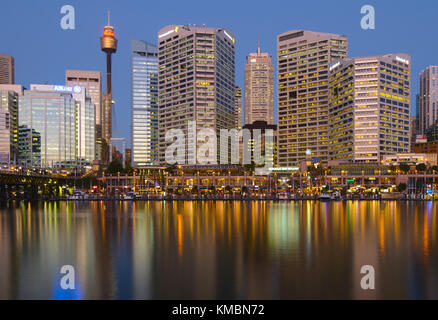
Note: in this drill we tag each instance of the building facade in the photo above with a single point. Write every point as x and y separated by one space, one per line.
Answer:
5 141
9 105
369 108
303 62
29 147
85 120
91 81
427 108
196 82
144 99
261 151
7 69
259 88
238 107
49 117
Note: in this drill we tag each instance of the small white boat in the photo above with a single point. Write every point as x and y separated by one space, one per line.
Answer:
130 196
325 197
78 195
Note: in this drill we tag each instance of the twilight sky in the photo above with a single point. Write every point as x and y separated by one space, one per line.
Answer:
30 31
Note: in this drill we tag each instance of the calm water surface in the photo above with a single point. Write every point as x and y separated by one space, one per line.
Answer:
219 250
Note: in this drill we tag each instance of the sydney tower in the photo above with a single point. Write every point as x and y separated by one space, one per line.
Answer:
108 43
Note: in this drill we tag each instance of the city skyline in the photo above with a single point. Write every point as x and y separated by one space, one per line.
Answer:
361 42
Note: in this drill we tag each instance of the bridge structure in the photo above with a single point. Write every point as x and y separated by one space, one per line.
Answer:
29 185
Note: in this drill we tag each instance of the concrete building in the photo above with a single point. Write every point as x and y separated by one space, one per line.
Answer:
196 82
369 108
303 62
258 144
427 108
6 69
259 88
409 158
413 133
144 99
238 107
9 94
92 82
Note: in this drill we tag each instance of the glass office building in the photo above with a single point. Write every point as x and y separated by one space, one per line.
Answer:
9 106
4 137
49 119
144 95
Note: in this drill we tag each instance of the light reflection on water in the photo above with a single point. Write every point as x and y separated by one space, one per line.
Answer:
219 250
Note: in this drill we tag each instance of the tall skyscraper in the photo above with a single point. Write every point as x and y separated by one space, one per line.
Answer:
47 118
369 108
85 120
427 109
9 94
6 69
108 43
303 62
196 81
91 81
238 107
259 88
144 98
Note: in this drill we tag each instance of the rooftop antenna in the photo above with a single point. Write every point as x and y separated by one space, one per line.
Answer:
258 41
109 17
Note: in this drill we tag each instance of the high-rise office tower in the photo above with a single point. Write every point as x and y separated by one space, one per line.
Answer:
369 108
196 81
9 94
6 69
85 119
144 99
427 108
91 81
50 118
238 107
259 88
303 59
108 43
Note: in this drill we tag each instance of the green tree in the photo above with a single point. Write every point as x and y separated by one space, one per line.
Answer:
435 169
421 167
404 167
194 190
402 187
114 167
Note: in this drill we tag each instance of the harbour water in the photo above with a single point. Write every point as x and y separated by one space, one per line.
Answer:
219 249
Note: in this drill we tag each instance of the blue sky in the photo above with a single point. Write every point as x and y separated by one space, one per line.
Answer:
30 31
